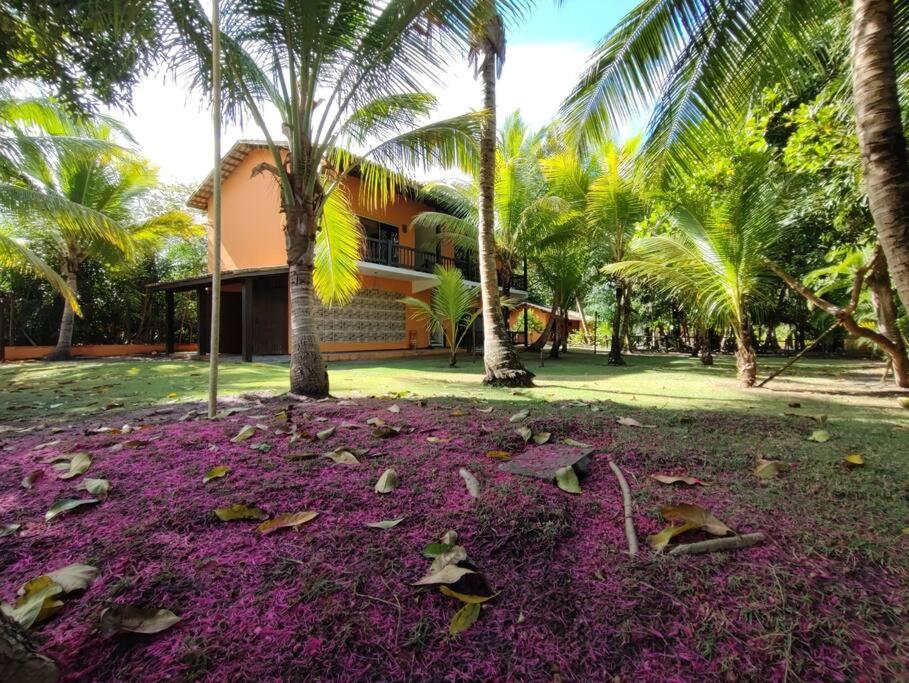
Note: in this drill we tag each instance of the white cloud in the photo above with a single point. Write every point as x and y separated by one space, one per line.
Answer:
174 129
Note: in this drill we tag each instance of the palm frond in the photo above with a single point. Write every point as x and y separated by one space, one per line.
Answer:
339 244
14 254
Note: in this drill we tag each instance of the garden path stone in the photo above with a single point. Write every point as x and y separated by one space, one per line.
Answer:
543 461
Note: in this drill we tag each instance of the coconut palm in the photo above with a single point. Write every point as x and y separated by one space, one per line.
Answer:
713 255
603 189
701 62
81 202
518 185
452 308
14 254
487 53
343 75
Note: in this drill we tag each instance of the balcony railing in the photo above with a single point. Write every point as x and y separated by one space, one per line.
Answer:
389 253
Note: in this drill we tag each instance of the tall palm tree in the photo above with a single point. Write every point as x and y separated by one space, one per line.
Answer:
487 53
703 61
14 254
518 185
603 189
106 186
714 253
343 75
452 308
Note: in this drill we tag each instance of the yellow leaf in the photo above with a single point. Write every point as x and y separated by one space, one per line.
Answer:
172 394
37 601
438 439
541 437
567 480
695 514
819 435
524 432
577 444
854 460
239 511
215 473
498 454
670 479
768 469
246 432
288 520
342 457
464 618
463 597
661 540
458 412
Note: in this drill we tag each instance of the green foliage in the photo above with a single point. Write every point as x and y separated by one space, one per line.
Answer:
534 322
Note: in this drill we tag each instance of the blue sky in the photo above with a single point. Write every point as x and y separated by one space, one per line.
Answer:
546 55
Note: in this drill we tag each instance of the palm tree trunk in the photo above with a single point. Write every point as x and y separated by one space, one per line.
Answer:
64 348
886 313
557 336
885 161
585 329
626 319
615 345
19 658
745 356
308 376
499 357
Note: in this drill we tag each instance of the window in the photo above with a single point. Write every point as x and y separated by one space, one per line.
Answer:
379 231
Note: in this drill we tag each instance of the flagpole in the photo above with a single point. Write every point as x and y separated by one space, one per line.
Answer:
215 336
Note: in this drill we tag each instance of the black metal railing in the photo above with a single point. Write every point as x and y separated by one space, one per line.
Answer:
390 253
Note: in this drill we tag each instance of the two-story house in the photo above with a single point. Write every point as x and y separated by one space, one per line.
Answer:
397 260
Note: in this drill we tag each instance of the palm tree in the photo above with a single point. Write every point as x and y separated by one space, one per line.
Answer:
63 188
703 61
713 256
604 191
487 53
342 74
518 185
14 254
452 308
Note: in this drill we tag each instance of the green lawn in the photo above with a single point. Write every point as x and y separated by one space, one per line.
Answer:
846 389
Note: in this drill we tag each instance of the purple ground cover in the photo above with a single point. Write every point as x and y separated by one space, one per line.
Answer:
334 601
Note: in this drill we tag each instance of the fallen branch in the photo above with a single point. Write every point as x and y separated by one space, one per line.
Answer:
630 533
718 544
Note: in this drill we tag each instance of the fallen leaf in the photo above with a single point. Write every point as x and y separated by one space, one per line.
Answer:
854 460
132 619
485 410
525 433
498 454
458 412
394 408
78 464
172 394
567 480
438 439
385 432
661 540
541 437
215 472
130 444
73 577
9 529
456 555
670 479
819 435
325 433
96 487
464 597
67 504
464 618
450 573
387 482
768 469
576 444
294 520
262 446
433 550
246 432
37 601
473 486
342 457
385 524
29 479
238 511
518 416
695 514
375 421
629 422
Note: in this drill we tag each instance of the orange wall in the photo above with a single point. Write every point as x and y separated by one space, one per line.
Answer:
91 350
252 225
517 314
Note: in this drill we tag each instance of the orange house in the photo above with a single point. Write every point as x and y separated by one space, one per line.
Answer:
397 260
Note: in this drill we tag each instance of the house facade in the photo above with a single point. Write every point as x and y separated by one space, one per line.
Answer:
397 260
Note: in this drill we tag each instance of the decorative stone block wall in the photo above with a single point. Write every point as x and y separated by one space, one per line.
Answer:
372 316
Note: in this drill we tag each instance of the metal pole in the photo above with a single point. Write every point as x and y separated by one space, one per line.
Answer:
215 337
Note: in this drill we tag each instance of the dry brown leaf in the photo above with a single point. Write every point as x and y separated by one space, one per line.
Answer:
293 519
671 479
695 514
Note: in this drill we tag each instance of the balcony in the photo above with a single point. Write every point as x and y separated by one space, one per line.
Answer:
390 253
